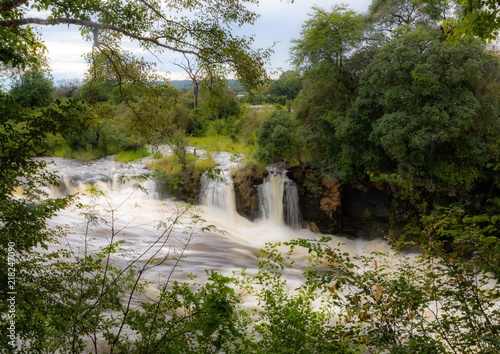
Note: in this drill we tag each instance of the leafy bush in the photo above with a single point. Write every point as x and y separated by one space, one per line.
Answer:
277 138
178 181
443 300
33 89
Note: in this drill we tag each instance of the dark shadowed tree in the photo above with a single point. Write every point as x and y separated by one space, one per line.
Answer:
68 88
33 89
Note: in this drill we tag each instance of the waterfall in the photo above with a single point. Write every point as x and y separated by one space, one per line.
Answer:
74 183
142 221
271 198
279 200
217 189
218 193
105 174
293 216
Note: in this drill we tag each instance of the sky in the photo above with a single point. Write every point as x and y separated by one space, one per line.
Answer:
280 22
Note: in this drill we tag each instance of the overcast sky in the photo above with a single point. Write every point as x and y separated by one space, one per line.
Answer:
280 22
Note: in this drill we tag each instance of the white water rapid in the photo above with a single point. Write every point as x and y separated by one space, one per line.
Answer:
217 191
139 220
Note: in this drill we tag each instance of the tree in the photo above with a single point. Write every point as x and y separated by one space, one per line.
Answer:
426 110
68 88
217 100
388 15
157 114
277 139
32 90
329 36
23 219
326 55
478 18
195 74
205 34
285 88
481 16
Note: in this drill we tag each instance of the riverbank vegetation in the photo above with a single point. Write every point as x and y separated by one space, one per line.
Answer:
405 97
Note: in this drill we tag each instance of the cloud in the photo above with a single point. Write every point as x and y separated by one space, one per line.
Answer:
65 51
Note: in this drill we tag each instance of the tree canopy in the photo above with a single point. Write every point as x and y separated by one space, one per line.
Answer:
390 14
480 18
329 36
431 107
391 94
199 28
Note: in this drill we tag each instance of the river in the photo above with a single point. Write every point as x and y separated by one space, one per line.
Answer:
218 238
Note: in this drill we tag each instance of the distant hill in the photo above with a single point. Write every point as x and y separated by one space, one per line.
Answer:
185 85
181 85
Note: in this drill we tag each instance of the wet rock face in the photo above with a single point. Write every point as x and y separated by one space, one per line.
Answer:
320 201
245 191
365 212
366 204
330 197
247 205
328 207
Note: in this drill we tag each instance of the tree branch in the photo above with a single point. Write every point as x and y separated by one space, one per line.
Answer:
95 25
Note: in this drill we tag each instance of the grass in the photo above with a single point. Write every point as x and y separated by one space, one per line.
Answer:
221 143
91 154
169 164
132 155
58 147
205 164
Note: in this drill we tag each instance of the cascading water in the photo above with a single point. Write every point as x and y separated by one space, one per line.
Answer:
217 191
271 198
106 174
279 200
140 223
139 215
293 216
278 195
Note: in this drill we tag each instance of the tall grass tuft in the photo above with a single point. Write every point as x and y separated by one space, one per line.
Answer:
132 154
